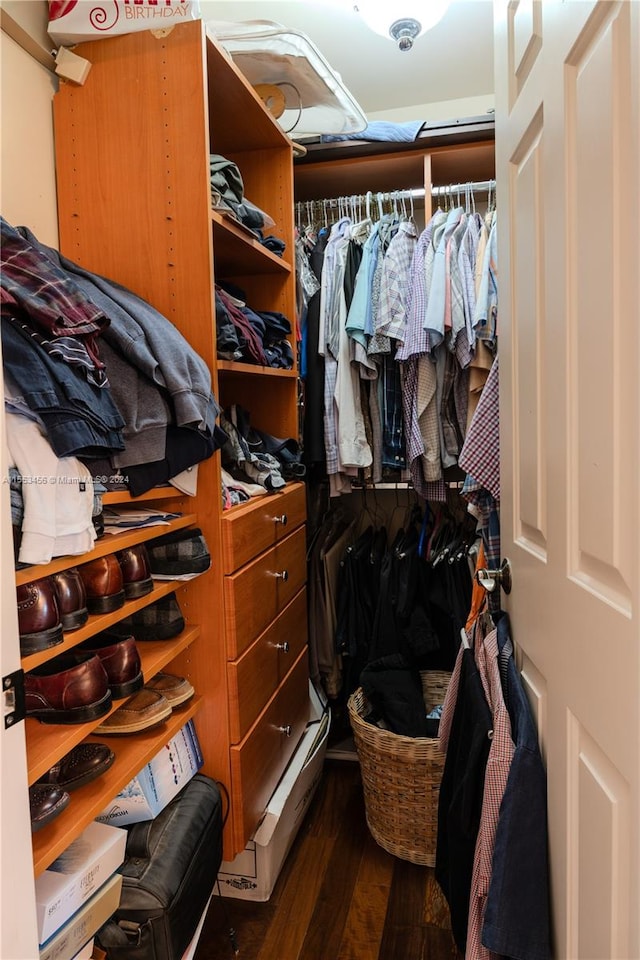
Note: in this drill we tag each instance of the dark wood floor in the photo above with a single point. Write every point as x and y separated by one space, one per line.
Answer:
339 895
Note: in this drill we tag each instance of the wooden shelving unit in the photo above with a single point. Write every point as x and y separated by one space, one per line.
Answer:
132 160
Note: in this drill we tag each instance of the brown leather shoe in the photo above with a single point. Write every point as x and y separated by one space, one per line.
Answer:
64 691
38 616
145 709
81 765
119 657
45 803
136 574
71 598
103 584
176 690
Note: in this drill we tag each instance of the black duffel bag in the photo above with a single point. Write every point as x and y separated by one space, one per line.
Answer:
170 868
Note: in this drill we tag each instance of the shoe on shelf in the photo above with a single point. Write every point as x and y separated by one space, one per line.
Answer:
45 803
145 709
179 553
177 690
39 623
160 620
81 765
119 657
103 584
65 691
136 574
71 598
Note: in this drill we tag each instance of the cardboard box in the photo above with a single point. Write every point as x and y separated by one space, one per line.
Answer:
253 873
77 934
86 953
76 875
151 790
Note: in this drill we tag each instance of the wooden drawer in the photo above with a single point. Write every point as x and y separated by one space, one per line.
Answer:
249 529
258 762
256 594
254 678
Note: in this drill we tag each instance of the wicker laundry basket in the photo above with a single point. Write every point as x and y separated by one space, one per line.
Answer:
401 778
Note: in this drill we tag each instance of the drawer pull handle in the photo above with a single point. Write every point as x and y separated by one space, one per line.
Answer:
282 575
283 646
282 519
287 731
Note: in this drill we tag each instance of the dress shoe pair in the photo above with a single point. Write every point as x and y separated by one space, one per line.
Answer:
116 577
84 763
49 606
80 685
49 796
62 602
148 708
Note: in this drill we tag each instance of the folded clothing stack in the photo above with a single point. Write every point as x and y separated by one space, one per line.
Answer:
263 459
253 336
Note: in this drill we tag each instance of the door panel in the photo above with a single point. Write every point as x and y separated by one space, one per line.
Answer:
568 162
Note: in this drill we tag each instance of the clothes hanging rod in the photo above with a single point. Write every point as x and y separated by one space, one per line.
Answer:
446 190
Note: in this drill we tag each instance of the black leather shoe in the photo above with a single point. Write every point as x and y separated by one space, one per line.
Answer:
81 765
45 803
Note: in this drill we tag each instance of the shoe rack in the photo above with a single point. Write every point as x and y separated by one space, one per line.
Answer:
132 159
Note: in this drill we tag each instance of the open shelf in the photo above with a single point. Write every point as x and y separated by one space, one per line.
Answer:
253 369
237 246
100 622
48 742
109 543
132 754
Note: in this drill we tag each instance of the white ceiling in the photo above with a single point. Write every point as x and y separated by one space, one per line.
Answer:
452 61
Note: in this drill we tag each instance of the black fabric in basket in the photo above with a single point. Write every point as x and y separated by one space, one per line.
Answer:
394 690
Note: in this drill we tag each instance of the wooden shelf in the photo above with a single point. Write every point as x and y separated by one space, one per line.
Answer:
48 742
253 369
113 497
237 246
132 753
109 543
102 621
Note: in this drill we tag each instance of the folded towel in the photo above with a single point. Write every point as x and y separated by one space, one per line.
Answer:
382 130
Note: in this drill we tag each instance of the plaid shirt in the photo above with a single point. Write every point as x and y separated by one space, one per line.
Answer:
395 282
499 760
47 294
480 455
37 292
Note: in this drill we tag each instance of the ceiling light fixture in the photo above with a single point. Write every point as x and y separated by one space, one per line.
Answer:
416 18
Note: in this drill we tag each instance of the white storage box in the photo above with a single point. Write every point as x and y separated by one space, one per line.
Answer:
163 777
253 873
77 934
315 99
76 875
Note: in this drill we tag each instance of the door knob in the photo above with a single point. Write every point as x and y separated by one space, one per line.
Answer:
489 579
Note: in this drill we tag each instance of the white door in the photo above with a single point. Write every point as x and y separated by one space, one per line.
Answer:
568 170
